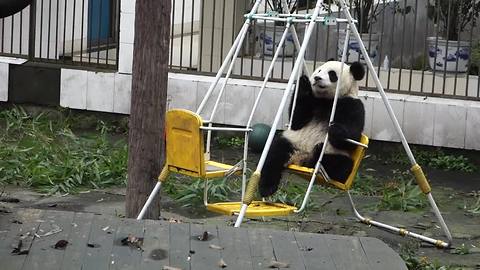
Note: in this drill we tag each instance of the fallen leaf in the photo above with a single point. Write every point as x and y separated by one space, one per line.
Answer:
204 236
306 248
61 244
52 205
212 246
132 241
93 245
17 247
277 264
173 220
17 221
222 264
105 228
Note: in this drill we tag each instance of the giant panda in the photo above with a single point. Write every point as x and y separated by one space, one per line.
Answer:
303 142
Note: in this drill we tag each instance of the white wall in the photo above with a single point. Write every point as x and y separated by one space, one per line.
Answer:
427 121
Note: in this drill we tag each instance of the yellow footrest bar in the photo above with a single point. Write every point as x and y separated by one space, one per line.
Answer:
255 209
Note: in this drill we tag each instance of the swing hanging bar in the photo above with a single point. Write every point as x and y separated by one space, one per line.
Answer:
416 169
332 116
256 175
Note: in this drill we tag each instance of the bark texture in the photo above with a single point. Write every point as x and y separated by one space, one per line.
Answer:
148 104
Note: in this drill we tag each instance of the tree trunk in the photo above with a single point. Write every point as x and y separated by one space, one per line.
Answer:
148 104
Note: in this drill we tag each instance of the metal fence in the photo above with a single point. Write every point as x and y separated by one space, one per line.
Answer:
66 32
420 47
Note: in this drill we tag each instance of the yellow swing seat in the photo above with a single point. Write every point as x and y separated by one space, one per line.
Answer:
357 156
185 155
185 147
255 209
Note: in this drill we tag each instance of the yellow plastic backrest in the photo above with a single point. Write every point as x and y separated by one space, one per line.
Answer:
357 157
185 143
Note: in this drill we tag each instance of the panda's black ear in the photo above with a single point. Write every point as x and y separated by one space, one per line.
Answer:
357 70
331 59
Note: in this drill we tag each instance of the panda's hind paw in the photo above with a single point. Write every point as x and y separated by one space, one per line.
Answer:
267 190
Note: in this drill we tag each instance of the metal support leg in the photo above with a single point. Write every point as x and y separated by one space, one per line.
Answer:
402 232
152 195
419 176
162 177
291 80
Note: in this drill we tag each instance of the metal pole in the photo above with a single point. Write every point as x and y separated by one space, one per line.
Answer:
402 232
332 116
295 36
152 195
269 72
291 80
377 82
241 35
395 122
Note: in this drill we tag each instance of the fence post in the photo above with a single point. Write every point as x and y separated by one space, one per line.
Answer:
31 31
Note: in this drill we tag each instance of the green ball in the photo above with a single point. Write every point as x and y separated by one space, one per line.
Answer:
258 137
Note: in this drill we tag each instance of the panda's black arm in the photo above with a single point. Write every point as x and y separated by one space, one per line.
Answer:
303 109
348 123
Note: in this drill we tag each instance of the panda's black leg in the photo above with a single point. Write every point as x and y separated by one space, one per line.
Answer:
338 167
277 157
317 150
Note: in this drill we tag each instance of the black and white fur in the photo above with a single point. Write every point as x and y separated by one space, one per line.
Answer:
302 144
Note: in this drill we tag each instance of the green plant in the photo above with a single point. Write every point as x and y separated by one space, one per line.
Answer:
293 193
475 208
436 159
452 163
234 142
474 68
365 185
404 196
453 16
191 193
408 252
461 250
42 151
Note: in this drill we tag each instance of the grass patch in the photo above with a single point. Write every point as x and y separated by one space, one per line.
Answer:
408 252
403 196
188 191
292 193
437 159
367 185
229 142
42 151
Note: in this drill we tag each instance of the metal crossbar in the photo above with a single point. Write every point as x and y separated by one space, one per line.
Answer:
311 20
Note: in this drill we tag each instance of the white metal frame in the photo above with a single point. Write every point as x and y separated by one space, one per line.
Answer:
290 20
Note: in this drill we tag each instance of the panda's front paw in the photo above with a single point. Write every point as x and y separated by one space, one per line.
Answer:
305 87
337 132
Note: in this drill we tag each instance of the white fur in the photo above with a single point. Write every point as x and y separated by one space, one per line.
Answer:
305 139
326 88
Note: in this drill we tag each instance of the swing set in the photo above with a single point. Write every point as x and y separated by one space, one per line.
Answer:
187 152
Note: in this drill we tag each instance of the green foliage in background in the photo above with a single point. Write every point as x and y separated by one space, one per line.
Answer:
42 151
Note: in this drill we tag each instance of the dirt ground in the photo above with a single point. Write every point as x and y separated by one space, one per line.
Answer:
452 189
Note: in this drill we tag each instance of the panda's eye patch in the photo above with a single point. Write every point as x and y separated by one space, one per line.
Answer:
333 76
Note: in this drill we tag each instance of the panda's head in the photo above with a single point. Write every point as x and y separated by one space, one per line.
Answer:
325 78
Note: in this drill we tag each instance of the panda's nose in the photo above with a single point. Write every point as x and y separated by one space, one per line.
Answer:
317 78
